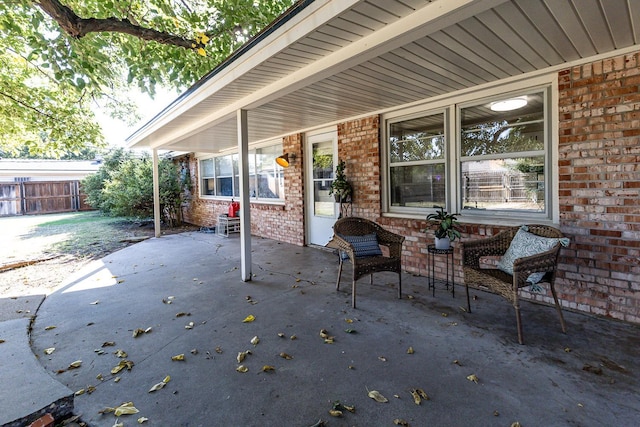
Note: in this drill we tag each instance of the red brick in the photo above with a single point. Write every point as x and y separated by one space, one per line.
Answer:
44 421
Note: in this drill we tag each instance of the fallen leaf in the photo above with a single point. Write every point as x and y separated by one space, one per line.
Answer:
90 389
161 384
268 368
351 367
410 297
416 397
178 357
567 350
96 302
445 314
286 356
335 413
250 318
182 313
410 350
48 328
457 362
122 365
49 350
377 396
351 409
100 351
242 369
137 332
400 422
255 340
281 335
422 394
382 358
121 354
148 330
324 334
75 365
242 355
79 392
142 420
125 409
329 340
189 325
117 424
473 378
194 351
351 331
218 350
348 320
293 337
496 413
116 380
108 344
516 424
99 377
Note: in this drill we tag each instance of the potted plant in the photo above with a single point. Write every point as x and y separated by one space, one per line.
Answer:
340 187
445 226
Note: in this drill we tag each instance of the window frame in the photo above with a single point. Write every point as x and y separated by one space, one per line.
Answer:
452 105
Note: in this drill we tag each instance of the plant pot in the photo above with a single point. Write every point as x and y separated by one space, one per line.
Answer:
443 243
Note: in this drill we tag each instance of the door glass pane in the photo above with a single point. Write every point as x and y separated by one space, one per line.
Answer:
323 203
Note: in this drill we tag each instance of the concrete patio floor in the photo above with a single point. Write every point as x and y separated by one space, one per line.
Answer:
588 377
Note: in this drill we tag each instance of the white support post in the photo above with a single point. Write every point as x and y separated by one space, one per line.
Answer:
245 208
156 194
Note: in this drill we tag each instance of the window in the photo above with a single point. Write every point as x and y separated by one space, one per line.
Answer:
502 158
220 176
417 162
496 163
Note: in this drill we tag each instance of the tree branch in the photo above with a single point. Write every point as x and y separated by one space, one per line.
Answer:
19 102
78 27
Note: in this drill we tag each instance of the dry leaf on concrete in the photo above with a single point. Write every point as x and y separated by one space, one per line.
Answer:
242 369
255 340
178 357
377 396
250 318
473 378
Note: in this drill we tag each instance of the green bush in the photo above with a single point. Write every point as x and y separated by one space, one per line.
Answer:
123 186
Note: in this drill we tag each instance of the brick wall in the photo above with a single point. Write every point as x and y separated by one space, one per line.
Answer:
599 166
359 147
274 221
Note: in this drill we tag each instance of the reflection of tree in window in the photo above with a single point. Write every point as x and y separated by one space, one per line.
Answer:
499 137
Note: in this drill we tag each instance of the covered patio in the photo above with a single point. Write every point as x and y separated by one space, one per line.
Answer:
184 291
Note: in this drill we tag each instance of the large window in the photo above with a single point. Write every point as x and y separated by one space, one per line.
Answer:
495 164
502 157
219 176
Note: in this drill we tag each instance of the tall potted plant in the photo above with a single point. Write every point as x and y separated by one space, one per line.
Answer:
340 187
445 226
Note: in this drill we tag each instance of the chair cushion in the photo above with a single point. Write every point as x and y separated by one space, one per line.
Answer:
363 246
526 244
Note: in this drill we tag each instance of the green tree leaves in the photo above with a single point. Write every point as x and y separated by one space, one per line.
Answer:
54 71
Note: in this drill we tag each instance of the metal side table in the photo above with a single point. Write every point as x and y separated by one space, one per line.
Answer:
431 262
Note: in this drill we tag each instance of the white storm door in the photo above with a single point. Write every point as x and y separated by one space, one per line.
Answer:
320 206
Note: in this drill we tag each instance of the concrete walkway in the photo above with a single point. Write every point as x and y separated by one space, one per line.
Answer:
185 291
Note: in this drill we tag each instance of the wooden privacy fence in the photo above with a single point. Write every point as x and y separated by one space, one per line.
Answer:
25 198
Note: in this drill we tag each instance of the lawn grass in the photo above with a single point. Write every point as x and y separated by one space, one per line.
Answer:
86 234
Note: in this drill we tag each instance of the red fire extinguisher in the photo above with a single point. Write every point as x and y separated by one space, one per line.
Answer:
234 207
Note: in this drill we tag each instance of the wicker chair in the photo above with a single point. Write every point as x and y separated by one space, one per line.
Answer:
354 226
505 284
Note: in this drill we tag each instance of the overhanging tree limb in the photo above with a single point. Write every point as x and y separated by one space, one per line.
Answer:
78 27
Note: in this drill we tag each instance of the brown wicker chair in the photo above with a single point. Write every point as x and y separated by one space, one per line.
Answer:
354 226
505 284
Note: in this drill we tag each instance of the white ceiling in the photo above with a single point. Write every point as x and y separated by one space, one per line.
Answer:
340 59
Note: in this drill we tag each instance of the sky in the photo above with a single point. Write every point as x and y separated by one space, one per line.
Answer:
116 132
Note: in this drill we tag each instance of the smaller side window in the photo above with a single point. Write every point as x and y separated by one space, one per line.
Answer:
417 175
208 184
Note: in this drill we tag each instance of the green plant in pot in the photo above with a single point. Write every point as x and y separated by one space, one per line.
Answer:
340 187
445 226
